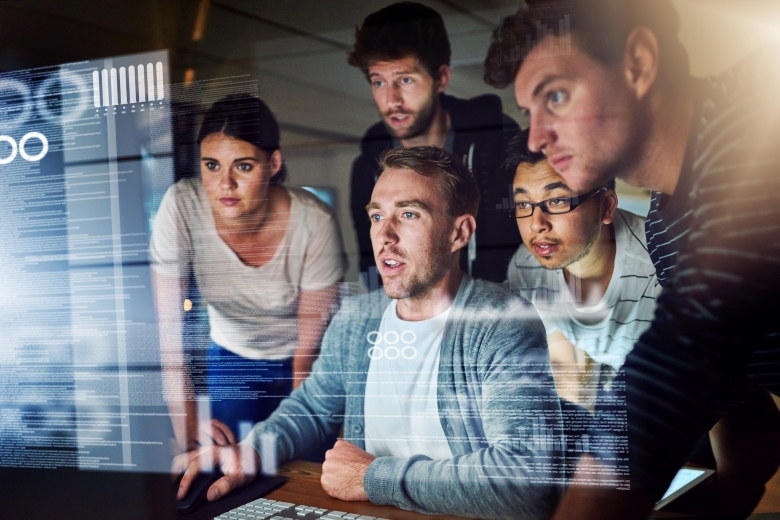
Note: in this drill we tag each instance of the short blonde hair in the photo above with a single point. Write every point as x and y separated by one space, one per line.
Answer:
455 180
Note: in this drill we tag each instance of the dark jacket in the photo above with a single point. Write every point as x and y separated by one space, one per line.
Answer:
481 132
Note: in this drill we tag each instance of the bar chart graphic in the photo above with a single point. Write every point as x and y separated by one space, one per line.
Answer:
128 85
549 22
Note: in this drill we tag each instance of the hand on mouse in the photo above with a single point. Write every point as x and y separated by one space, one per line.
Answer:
219 433
239 463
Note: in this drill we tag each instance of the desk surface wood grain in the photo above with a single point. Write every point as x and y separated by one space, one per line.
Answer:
303 487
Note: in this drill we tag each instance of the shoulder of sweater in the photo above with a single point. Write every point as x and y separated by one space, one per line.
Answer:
485 300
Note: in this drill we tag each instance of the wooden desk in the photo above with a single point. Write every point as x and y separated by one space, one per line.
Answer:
303 487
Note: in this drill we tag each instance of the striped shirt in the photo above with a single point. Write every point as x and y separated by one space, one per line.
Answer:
626 309
716 246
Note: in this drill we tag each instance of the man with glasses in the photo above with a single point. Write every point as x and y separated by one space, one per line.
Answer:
609 93
584 264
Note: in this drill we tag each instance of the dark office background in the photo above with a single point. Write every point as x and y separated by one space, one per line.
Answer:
295 50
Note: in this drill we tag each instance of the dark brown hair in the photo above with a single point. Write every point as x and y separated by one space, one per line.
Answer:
597 27
456 181
247 118
399 31
517 153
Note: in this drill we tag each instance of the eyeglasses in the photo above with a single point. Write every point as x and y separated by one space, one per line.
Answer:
556 206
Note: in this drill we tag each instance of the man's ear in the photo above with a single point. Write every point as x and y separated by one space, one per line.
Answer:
465 225
640 60
442 79
609 206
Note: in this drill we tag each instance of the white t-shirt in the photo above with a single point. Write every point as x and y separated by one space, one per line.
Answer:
252 310
607 331
401 410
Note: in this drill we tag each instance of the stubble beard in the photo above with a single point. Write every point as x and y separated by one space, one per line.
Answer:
423 119
428 273
585 252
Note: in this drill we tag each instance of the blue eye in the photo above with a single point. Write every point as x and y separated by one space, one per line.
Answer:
406 80
557 97
378 83
375 218
408 214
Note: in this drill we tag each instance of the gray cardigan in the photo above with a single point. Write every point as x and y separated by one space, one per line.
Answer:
497 405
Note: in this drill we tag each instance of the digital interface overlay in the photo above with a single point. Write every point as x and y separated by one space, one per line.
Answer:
85 157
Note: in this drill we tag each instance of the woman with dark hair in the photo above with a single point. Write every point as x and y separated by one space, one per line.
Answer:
267 260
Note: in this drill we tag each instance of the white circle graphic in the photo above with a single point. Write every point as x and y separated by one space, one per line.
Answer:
375 353
12 156
395 353
70 86
411 333
24 92
40 155
377 337
412 352
391 334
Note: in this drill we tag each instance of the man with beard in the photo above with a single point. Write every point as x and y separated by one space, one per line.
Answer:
404 52
441 382
585 267
609 94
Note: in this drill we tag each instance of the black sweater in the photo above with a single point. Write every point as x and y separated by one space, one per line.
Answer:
481 132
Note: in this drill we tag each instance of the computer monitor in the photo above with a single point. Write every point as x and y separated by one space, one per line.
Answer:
85 156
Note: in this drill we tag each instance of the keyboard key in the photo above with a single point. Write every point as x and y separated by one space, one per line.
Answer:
350 516
366 517
337 513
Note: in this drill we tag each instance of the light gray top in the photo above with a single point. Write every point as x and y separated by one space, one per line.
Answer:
497 405
253 311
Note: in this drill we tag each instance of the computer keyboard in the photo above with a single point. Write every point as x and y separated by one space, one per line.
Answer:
264 509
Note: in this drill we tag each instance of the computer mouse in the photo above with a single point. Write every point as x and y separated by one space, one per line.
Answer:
196 495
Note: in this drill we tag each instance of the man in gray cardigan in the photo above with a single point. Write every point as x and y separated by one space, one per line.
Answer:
443 384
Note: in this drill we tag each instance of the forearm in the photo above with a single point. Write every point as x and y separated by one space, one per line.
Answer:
746 445
586 502
489 483
673 393
296 426
314 313
313 410
178 389
182 409
310 331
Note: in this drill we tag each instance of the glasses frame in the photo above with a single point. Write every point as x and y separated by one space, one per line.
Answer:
574 203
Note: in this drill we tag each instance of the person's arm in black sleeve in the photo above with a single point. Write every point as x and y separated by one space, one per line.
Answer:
712 324
361 187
